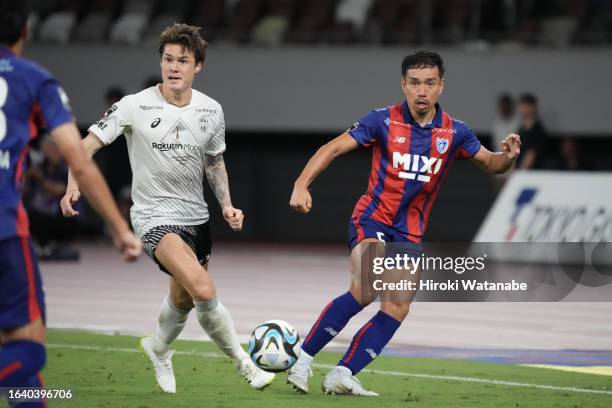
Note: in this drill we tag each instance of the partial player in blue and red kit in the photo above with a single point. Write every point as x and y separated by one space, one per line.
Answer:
413 145
31 98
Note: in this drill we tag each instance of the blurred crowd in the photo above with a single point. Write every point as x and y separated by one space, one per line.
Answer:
514 23
539 151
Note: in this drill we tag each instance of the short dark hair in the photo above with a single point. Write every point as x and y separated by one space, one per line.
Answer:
529 99
187 36
423 59
13 20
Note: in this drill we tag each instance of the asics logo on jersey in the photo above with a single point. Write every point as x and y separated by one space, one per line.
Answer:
155 123
416 166
400 139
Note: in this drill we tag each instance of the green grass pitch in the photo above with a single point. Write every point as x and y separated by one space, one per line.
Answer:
109 371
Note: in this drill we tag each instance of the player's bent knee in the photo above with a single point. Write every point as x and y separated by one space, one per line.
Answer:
203 291
182 300
362 297
397 310
185 303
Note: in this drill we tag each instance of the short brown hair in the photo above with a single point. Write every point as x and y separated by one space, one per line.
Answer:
187 36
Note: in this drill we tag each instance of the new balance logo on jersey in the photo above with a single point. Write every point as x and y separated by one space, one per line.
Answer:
416 167
371 352
331 331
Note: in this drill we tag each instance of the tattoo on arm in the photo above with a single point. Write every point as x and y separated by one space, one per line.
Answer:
217 178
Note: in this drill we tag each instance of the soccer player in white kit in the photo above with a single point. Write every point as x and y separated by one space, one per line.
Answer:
175 135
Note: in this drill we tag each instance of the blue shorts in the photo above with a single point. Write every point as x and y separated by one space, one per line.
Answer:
21 296
364 227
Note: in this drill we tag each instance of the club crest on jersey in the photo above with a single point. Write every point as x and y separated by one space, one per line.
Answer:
441 145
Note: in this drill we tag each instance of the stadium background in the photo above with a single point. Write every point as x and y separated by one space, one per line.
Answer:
291 75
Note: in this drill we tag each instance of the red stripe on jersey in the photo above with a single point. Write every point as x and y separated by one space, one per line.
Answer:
360 233
20 164
23 223
422 203
33 309
366 199
35 120
398 141
436 181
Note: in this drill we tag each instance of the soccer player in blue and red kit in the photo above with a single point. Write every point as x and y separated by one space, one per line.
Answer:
30 97
413 144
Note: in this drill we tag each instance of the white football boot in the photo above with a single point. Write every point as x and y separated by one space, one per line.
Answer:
298 376
255 376
162 365
341 381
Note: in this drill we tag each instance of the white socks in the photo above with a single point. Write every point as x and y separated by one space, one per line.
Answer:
304 358
217 323
169 325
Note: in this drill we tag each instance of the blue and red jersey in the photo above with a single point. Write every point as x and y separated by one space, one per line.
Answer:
30 98
409 162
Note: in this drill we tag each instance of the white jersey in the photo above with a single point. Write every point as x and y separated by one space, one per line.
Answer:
167 145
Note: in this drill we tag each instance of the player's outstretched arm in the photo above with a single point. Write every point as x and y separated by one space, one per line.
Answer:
499 162
91 144
214 166
301 200
95 189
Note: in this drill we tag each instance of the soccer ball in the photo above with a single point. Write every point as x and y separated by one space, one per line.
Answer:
274 346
